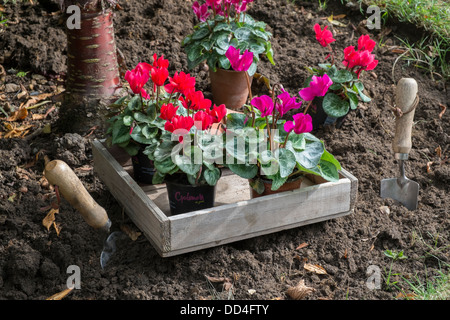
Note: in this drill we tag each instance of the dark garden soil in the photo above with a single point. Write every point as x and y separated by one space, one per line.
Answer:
34 260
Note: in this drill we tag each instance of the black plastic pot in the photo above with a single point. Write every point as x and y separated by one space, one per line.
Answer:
320 118
143 168
184 197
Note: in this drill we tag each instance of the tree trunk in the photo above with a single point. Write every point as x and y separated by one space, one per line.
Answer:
93 76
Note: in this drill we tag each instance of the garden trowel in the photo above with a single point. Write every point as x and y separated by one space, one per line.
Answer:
58 173
401 188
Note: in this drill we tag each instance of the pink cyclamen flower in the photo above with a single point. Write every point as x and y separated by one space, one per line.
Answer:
302 123
287 103
201 11
239 62
264 104
318 87
324 36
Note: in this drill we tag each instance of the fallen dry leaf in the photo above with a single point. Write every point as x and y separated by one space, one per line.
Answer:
300 291
438 151
443 108
302 245
132 234
20 114
315 268
410 296
60 295
345 256
15 132
50 218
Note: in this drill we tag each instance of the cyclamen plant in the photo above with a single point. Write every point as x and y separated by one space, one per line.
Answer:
225 23
150 121
347 88
275 149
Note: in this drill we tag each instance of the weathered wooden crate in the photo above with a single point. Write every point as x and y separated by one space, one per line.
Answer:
234 217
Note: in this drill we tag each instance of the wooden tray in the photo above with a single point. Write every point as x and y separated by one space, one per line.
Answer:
235 215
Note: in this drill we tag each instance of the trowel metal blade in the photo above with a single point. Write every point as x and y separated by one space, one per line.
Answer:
109 247
406 193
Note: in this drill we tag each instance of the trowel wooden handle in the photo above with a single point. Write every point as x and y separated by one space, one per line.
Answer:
69 185
405 99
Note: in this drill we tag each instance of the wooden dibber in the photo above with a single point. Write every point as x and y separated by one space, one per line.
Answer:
71 188
406 101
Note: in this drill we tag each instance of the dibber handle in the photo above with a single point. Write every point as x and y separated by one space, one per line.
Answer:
405 100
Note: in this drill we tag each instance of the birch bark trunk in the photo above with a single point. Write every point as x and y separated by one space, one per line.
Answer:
93 76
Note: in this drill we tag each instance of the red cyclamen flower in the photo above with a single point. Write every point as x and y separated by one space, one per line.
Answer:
324 36
202 120
179 125
365 43
218 113
168 111
239 62
302 123
160 62
138 77
195 100
159 76
180 82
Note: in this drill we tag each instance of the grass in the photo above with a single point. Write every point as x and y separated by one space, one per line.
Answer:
435 287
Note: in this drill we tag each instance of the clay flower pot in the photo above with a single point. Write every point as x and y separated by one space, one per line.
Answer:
229 87
288 186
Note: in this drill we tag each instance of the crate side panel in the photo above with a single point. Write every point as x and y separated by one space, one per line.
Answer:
279 211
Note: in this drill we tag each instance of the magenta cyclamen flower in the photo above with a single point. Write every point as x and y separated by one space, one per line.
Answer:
287 103
201 11
317 88
263 104
239 62
302 123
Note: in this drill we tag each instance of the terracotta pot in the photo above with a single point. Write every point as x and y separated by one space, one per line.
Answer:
288 186
320 118
229 87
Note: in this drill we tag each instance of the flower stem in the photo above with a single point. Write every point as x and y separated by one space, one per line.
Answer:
269 133
307 107
285 140
251 97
